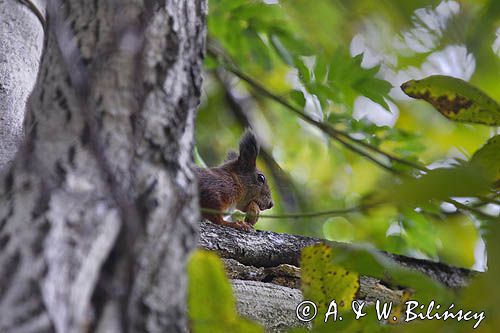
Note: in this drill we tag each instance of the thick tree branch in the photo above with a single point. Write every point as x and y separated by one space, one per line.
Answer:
270 249
264 272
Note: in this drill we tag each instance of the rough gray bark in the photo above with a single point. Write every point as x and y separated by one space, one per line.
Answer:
268 304
21 36
370 289
98 212
268 249
273 305
264 270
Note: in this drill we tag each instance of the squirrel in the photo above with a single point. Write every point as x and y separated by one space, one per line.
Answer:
236 183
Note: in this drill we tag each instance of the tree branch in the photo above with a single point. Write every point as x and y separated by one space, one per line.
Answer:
334 133
264 273
270 249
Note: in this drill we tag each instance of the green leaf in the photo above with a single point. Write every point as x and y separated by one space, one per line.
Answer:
250 30
210 63
292 42
211 304
455 99
366 260
320 68
298 97
198 159
322 281
488 157
304 73
258 49
420 233
438 184
281 50
340 78
375 89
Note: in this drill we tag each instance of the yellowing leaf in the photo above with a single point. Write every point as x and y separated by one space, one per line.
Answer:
455 99
322 281
211 304
397 314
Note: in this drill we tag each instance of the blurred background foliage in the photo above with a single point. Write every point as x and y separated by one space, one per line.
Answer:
283 67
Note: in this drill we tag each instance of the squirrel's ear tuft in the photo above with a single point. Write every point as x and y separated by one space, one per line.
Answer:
249 149
231 155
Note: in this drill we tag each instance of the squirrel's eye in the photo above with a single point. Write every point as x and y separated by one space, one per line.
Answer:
261 178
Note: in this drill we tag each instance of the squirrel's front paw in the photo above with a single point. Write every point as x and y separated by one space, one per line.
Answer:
240 225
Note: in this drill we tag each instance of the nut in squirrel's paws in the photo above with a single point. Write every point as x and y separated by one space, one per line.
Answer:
252 215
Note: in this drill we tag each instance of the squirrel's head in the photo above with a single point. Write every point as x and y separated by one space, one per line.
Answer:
252 179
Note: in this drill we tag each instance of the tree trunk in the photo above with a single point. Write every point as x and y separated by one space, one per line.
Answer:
21 36
98 212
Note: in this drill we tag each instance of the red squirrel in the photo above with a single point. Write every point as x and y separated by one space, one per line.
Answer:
237 183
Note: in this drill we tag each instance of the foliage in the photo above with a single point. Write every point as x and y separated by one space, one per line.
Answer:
319 82
438 185
211 303
341 78
332 273
488 157
305 59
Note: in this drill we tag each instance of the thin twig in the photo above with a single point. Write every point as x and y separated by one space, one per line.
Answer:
473 210
487 200
332 212
331 131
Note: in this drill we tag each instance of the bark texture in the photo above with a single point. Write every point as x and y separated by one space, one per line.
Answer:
21 43
264 270
270 249
98 212
268 304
